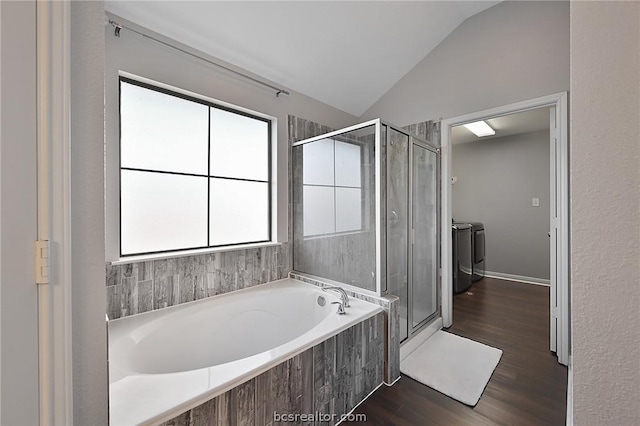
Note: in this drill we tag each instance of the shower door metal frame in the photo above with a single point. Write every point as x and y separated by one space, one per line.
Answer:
413 330
381 251
415 140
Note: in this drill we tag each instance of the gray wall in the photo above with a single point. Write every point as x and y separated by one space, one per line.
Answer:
605 212
510 52
497 178
89 350
18 292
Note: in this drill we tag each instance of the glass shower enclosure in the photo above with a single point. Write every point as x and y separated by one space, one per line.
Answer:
366 209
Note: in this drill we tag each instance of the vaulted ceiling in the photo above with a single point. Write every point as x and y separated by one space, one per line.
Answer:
346 54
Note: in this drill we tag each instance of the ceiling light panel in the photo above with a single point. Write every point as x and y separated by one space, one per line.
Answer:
480 129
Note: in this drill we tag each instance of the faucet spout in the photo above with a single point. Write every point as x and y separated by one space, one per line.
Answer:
343 294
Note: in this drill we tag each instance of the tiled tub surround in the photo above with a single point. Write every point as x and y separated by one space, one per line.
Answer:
329 379
390 304
269 348
145 286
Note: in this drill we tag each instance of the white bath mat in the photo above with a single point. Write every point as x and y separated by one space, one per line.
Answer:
453 365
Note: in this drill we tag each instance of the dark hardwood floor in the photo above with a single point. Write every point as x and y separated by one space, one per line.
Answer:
528 387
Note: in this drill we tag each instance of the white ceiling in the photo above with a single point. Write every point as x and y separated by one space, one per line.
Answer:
507 125
345 53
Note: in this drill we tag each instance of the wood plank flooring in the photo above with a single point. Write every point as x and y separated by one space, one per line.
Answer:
528 387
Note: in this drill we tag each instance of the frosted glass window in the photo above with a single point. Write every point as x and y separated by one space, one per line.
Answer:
348 164
348 209
332 187
318 210
238 211
318 164
239 146
162 212
163 132
192 175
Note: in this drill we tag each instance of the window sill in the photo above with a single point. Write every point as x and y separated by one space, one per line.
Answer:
170 255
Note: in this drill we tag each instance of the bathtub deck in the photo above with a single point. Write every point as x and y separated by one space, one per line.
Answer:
528 386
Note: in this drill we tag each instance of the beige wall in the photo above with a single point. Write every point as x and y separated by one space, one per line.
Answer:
511 52
605 208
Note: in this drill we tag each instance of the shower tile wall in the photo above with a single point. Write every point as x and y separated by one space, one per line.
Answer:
428 130
139 287
350 257
330 378
143 286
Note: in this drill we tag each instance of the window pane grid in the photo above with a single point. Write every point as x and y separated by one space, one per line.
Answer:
336 167
209 176
194 174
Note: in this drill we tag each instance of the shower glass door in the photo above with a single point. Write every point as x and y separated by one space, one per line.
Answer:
424 254
398 223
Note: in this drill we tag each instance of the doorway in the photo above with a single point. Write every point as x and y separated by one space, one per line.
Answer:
558 213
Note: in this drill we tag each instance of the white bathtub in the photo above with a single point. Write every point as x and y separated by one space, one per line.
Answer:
164 362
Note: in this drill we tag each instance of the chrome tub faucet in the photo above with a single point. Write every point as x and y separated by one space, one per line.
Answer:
343 294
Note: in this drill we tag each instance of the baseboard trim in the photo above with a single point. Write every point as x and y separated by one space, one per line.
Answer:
517 278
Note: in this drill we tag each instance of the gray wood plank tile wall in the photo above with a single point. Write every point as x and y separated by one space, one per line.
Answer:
390 304
428 130
328 379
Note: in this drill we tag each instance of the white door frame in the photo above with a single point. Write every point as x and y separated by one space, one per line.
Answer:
54 210
559 101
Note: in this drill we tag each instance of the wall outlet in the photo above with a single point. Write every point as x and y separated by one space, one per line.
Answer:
535 202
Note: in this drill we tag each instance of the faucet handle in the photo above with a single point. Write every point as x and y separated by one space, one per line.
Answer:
340 307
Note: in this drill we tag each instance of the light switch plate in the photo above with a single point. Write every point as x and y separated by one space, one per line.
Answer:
535 202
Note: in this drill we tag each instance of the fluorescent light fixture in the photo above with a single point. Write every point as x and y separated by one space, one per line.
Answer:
480 129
